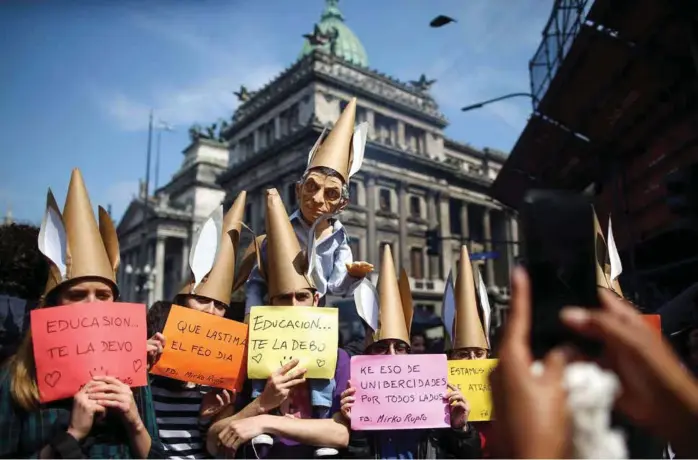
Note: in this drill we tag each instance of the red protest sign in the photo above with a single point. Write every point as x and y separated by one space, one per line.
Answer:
73 343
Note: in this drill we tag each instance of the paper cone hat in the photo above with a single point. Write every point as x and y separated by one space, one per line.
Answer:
603 264
468 330
395 301
286 264
214 254
74 244
335 151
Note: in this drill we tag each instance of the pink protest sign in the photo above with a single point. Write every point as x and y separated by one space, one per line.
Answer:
76 342
399 392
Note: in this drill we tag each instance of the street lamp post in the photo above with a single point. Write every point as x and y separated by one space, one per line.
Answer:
479 105
162 126
140 281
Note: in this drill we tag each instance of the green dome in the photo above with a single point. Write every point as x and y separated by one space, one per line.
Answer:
347 46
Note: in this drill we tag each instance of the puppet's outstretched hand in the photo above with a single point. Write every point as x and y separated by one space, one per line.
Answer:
359 269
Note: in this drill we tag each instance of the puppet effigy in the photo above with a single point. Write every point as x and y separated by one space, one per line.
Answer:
323 192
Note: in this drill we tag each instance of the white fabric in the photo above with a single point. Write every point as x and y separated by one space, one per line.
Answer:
591 392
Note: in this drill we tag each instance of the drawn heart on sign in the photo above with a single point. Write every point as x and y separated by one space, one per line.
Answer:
52 378
257 358
137 364
320 362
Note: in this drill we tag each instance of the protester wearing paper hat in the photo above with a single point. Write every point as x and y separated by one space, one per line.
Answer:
83 257
284 272
212 263
388 316
323 192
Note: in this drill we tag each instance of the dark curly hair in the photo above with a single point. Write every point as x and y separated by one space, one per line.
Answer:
23 268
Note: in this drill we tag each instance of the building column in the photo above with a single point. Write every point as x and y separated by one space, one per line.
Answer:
277 127
159 278
489 263
370 118
433 261
184 269
464 224
255 144
401 134
372 244
445 234
514 226
402 207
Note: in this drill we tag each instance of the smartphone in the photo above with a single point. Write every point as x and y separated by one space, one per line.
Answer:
559 255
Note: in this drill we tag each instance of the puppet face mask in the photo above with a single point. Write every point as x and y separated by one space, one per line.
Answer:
319 194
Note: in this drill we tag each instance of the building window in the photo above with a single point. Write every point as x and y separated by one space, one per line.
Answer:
415 207
355 248
289 120
385 128
266 134
342 105
247 146
353 193
416 263
248 213
292 198
414 139
384 199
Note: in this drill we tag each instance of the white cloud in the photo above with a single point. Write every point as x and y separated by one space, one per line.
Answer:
204 98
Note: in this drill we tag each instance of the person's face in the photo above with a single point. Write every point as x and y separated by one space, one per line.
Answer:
319 194
389 347
204 304
301 298
418 345
86 291
469 353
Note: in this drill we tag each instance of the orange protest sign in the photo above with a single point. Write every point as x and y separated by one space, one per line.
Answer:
76 342
204 349
655 321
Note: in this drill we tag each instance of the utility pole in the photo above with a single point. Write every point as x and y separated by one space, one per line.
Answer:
142 278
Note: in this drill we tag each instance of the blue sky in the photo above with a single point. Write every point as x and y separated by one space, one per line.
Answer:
78 78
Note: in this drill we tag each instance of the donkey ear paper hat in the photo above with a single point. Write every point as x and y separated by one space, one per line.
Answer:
343 148
75 245
394 302
213 255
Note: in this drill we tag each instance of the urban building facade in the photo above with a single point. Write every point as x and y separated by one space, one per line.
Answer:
413 177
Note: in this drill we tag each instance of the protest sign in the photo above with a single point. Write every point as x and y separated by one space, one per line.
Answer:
281 334
203 348
399 392
76 342
472 378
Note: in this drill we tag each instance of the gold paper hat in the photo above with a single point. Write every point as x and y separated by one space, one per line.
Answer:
74 244
343 149
467 328
286 264
395 301
603 264
212 259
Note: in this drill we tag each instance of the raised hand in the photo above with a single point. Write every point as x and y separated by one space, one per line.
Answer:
347 401
215 401
113 394
279 385
83 414
460 409
359 269
156 344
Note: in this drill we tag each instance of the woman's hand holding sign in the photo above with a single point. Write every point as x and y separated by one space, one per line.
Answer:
111 393
460 409
156 344
347 401
279 385
84 411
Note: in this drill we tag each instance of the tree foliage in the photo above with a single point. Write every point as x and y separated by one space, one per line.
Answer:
23 269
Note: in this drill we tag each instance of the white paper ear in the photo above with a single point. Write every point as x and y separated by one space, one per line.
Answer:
485 305
449 306
366 300
318 142
358 144
53 241
205 248
613 256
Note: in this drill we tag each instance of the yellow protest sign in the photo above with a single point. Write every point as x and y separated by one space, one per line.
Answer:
472 377
279 334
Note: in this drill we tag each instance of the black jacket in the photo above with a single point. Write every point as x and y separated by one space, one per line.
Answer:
436 443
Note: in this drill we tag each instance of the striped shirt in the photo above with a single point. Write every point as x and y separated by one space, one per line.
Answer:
182 431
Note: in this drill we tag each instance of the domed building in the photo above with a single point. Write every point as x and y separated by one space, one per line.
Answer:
413 177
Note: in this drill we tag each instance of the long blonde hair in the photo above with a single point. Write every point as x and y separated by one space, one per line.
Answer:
22 367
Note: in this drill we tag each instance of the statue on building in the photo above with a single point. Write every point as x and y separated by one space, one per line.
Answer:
423 84
243 94
212 132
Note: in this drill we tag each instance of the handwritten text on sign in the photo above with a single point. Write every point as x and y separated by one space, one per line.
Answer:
203 348
76 342
399 392
280 334
472 377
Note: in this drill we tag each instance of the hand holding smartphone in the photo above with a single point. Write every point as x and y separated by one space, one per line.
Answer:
560 256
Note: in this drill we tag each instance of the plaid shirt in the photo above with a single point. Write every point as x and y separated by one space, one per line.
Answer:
24 434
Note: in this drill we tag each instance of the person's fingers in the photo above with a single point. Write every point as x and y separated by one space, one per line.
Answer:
554 364
291 376
292 383
287 367
108 379
518 327
102 387
610 328
348 392
452 387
